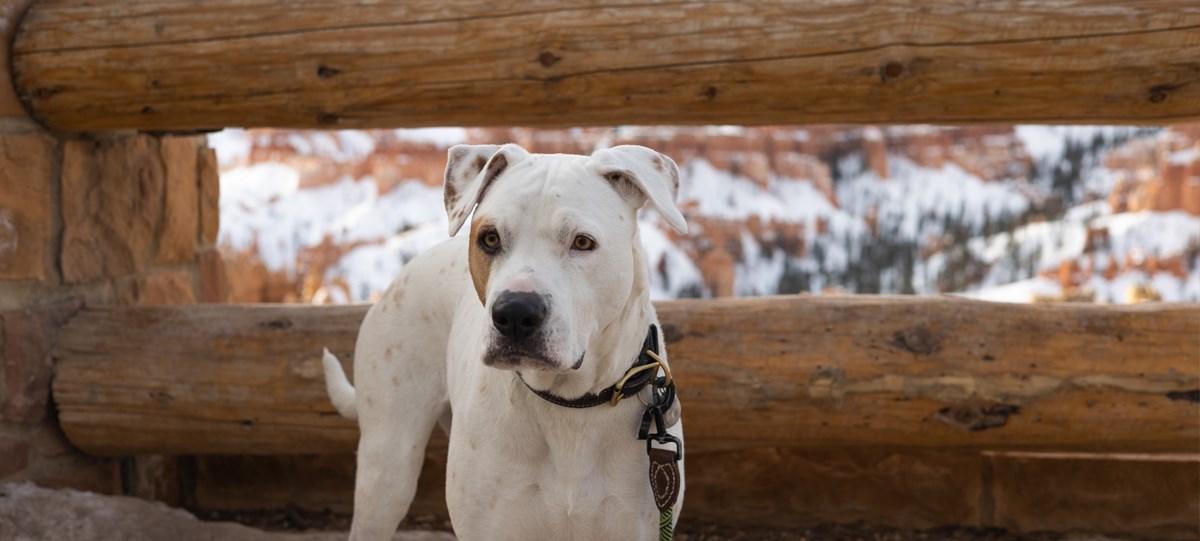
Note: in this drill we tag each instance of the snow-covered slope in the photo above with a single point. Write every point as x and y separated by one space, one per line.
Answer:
1000 214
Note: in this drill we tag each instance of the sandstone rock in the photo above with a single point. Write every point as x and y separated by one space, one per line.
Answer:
111 205
156 289
210 197
251 281
31 513
177 234
26 163
29 335
876 152
214 280
1161 174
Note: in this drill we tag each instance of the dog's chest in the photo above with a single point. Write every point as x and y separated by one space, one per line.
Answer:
520 480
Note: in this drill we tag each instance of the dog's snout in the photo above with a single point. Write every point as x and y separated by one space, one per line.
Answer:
518 315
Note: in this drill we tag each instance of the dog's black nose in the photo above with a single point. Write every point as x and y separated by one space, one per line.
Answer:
518 314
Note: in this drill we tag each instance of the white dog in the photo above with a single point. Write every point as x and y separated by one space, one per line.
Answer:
519 328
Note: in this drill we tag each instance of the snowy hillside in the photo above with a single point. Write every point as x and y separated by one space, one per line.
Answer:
997 213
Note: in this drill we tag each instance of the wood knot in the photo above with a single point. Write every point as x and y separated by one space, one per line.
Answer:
890 70
147 110
1186 396
276 324
1160 93
326 72
45 92
162 397
327 118
918 339
548 59
976 415
710 93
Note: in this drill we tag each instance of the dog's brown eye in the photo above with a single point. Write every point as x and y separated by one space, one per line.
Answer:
583 243
490 241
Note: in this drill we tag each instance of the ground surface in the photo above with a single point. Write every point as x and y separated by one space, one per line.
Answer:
29 513
692 529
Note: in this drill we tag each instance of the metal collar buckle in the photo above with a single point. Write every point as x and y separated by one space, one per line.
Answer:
658 363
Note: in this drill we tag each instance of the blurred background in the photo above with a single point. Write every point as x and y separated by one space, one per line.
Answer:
1003 213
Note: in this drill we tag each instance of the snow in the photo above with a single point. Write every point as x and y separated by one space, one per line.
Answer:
1184 157
264 208
918 199
680 272
232 147
721 194
369 269
1044 143
445 137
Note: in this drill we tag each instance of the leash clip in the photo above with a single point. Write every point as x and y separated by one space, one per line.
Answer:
664 439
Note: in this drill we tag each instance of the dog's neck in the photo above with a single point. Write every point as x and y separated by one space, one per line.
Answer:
612 350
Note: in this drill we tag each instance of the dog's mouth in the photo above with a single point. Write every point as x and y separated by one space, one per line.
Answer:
512 356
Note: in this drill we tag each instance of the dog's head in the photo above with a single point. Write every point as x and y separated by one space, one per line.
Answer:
553 242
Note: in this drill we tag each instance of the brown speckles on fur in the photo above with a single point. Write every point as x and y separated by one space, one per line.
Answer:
478 261
660 163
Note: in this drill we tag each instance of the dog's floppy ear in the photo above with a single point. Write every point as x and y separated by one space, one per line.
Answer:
655 175
470 169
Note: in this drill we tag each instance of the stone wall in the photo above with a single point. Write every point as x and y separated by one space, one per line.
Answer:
118 219
88 221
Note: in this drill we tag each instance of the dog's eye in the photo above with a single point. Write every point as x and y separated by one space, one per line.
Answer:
490 241
583 243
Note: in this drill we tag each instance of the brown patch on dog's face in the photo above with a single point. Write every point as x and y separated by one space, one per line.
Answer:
478 261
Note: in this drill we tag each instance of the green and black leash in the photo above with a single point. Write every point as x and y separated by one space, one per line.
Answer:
664 463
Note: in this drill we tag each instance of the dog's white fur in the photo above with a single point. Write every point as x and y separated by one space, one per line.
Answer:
519 467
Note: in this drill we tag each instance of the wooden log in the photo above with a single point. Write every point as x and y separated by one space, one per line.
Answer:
82 65
785 371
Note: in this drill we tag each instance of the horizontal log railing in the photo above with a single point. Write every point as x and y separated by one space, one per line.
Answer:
784 371
82 65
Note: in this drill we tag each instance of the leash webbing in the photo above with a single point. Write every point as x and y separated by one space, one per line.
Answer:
666 525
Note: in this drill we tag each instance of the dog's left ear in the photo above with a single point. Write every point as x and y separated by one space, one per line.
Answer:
653 174
470 169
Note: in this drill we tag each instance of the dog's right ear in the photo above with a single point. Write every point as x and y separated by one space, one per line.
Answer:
470 169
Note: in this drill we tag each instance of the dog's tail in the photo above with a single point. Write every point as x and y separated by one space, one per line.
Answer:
341 393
